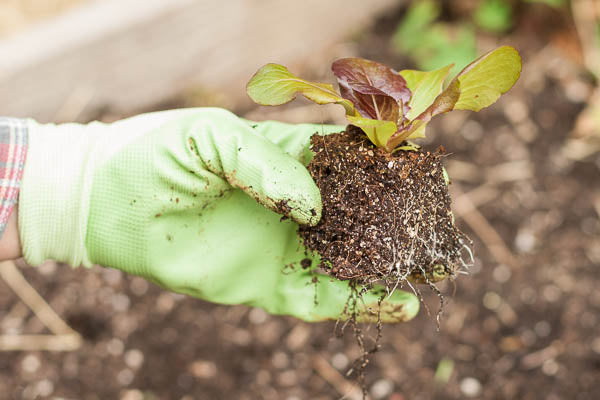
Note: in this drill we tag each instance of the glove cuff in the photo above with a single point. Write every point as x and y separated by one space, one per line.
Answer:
55 193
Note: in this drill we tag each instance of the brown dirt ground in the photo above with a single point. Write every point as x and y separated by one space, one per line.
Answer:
523 325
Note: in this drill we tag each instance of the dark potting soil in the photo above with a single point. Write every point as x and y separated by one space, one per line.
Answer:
385 216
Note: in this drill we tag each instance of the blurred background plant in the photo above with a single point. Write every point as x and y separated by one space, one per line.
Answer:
433 42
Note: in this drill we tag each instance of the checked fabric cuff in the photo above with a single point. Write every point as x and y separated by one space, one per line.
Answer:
13 150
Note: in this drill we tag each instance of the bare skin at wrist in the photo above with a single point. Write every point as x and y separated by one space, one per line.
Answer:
10 243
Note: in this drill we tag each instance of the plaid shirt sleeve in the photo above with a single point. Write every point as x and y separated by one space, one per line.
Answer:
13 149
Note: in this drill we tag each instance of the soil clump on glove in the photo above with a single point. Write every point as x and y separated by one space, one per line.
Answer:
385 216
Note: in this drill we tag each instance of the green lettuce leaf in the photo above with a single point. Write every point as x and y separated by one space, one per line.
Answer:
479 84
378 131
273 85
425 87
485 79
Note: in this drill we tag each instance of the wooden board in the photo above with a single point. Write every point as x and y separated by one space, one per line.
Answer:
131 54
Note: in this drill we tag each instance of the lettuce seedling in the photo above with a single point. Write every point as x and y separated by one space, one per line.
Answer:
392 107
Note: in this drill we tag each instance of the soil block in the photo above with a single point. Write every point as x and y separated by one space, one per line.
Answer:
385 216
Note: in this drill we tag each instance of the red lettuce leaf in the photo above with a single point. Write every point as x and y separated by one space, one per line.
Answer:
373 104
377 91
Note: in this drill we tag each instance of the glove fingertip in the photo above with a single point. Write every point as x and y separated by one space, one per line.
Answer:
409 303
306 208
400 306
291 192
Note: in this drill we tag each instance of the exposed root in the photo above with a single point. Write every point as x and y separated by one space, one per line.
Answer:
357 370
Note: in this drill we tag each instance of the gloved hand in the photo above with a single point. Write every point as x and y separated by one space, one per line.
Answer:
184 199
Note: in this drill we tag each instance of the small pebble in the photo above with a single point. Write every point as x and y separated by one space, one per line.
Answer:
577 91
280 360
138 286
45 388
470 387
47 268
542 329
241 337
115 347
125 377
257 316
527 130
501 273
551 293
134 358
516 111
203 369
491 300
30 392
589 225
132 394
565 282
297 337
472 130
550 367
112 276
525 241
340 361
165 303
287 378
596 345
12 325
31 363
381 388
593 252
120 302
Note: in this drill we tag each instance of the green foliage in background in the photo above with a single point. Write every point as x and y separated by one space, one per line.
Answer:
494 16
433 44
551 3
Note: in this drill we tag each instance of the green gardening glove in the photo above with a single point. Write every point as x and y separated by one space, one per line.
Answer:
184 198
